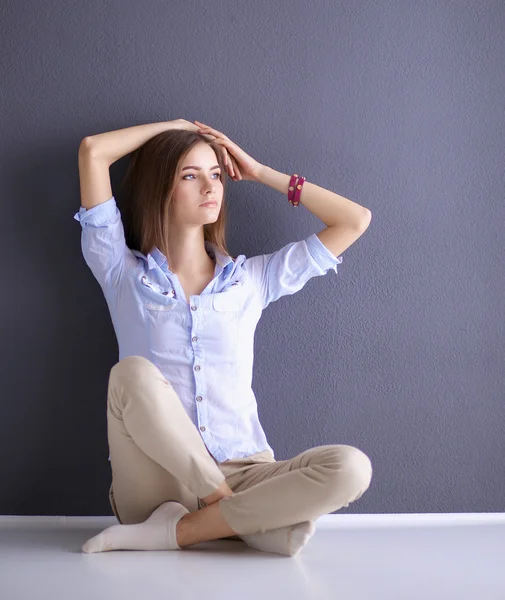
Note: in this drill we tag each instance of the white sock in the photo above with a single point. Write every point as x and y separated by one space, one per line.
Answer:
287 540
158 532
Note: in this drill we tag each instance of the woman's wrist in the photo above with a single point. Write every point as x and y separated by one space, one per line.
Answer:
261 174
274 179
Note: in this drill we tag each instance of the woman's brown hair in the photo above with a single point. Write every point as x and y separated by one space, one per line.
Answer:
148 187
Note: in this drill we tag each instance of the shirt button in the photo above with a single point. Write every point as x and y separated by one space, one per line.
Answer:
194 307
197 368
198 398
194 338
202 428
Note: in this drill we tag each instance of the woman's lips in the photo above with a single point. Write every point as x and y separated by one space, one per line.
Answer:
209 204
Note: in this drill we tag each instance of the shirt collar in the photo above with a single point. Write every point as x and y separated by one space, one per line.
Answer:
157 258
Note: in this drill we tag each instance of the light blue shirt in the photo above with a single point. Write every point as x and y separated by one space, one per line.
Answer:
204 345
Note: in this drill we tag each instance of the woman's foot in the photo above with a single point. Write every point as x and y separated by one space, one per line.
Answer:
284 540
158 532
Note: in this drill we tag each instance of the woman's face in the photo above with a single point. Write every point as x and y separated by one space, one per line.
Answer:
199 181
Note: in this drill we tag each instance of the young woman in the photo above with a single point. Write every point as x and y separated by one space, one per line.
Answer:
190 460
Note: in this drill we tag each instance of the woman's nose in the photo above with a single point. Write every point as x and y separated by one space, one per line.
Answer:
209 184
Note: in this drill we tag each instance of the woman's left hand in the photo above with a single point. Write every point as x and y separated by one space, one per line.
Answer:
244 166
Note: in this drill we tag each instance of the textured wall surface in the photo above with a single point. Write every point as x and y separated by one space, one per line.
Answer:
396 105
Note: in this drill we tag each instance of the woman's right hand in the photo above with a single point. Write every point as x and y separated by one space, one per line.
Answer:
183 124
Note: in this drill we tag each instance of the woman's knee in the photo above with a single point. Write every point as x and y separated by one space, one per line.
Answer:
349 463
132 369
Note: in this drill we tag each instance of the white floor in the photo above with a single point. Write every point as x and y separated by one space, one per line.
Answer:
350 557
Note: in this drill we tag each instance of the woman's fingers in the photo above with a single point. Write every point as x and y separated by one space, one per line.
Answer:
226 159
207 129
227 162
226 155
236 169
233 165
211 138
231 160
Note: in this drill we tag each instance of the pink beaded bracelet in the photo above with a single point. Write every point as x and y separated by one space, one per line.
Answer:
295 189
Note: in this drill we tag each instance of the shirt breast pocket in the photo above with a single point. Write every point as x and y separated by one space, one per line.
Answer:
228 301
156 296
221 334
165 322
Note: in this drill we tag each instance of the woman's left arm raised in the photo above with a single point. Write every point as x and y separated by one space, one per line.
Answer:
335 211
332 209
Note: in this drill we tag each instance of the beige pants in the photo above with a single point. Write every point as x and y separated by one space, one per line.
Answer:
157 455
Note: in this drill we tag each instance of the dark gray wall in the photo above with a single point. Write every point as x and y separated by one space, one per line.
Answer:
396 105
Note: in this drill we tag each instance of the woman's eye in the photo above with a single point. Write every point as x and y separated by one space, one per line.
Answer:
191 175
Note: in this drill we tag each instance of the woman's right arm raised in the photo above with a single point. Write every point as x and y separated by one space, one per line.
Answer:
98 152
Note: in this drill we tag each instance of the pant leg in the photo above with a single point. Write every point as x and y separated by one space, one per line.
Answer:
156 452
275 494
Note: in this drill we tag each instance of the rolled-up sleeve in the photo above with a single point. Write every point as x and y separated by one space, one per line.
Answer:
288 269
103 242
